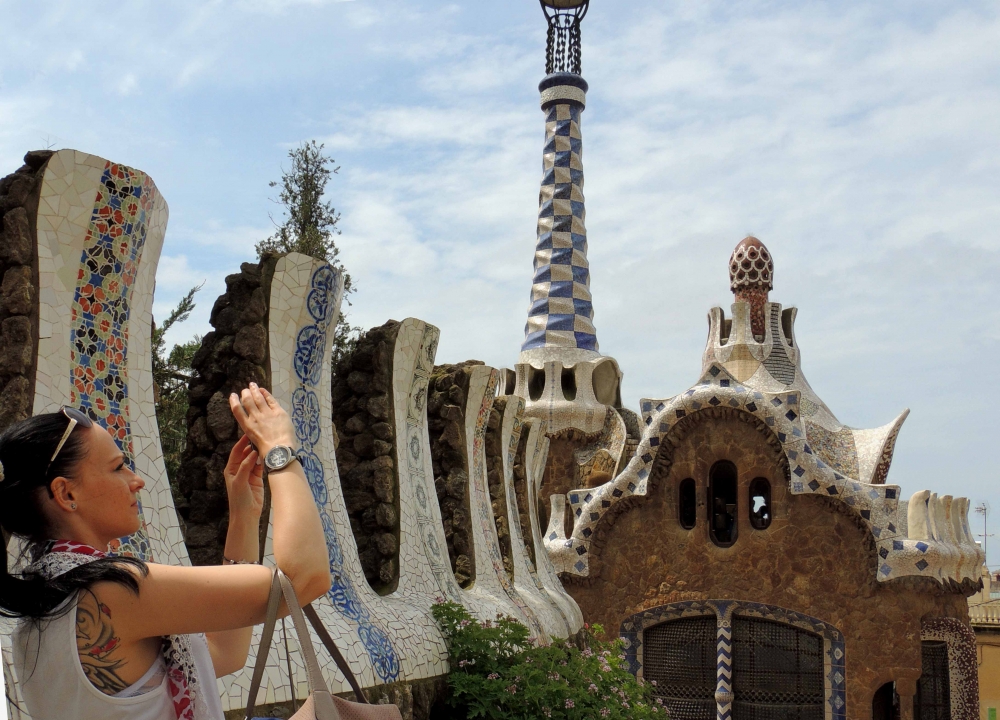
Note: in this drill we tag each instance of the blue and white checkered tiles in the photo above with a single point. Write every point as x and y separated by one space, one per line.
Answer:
561 312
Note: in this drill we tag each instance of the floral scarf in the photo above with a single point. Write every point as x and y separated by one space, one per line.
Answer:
59 556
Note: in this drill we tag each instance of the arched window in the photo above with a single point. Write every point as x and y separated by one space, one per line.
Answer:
760 503
933 698
722 492
687 504
680 658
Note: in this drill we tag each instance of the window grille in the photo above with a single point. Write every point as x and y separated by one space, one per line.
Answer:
680 657
933 698
777 671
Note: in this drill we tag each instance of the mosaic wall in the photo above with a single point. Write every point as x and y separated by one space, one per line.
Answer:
388 637
100 227
834 669
99 230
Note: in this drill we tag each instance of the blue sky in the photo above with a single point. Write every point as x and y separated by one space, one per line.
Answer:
858 140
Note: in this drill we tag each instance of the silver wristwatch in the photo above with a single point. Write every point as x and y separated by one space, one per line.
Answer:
279 457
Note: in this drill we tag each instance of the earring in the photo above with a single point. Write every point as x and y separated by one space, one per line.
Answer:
72 506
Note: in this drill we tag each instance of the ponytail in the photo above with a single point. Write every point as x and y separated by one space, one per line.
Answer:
25 474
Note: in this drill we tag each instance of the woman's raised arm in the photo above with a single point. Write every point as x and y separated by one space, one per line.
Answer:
177 600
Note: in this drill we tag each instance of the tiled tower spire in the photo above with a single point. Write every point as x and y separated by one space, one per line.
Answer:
561 314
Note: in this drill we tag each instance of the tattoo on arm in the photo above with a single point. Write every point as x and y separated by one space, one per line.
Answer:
96 642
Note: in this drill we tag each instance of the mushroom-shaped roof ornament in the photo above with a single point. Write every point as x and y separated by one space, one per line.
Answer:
751 265
751 276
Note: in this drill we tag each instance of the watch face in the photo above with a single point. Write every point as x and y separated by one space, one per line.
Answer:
277 457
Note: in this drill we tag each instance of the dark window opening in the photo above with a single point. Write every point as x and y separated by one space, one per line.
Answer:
933 698
680 658
787 317
687 503
536 382
722 504
777 671
760 503
885 703
509 382
569 383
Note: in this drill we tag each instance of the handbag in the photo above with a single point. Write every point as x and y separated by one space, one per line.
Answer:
320 705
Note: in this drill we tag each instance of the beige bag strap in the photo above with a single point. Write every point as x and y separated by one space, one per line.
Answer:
322 699
265 643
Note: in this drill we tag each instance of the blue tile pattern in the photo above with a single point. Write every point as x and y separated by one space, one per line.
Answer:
561 312
325 287
101 311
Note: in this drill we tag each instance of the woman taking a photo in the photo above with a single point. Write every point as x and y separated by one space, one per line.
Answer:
113 638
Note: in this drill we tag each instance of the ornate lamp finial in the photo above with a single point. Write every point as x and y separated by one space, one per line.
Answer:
562 48
751 276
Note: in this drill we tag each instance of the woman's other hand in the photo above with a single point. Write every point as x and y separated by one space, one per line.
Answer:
262 418
245 480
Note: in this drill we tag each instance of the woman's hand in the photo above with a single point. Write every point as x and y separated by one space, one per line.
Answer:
244 481
263 420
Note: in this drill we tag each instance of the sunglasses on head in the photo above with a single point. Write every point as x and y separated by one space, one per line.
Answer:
75 417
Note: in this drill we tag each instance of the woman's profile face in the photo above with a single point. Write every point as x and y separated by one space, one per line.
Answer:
105 490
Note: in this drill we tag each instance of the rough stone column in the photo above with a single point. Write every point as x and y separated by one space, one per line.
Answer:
495 481
363 415
19 193
448 390
231 356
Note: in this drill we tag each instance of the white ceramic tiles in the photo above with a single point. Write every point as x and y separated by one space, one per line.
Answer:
100 228
527 582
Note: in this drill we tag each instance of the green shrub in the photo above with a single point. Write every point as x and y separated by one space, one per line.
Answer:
497 672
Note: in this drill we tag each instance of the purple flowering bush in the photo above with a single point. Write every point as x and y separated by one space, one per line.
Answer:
497 672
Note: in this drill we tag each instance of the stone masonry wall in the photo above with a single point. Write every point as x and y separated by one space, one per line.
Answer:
495 449
231 356
19 193
449 386
363 415
814 558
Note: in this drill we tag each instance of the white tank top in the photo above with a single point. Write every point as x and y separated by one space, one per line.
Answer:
54 686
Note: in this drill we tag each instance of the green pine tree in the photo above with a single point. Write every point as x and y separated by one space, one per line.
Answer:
171 374
310 225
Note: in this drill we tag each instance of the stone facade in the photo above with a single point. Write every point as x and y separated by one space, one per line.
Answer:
362 413
449 387
19 193
814 558
232 355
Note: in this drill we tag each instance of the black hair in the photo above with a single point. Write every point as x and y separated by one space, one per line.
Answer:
25 449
